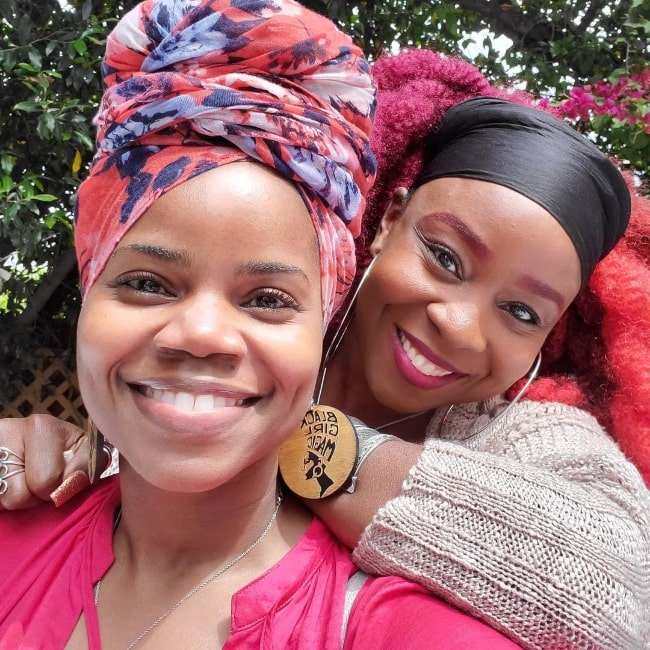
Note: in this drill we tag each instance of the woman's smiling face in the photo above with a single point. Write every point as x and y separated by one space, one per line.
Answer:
199 344
469 279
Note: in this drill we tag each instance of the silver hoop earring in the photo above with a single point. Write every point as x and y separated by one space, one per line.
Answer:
530 377
341 330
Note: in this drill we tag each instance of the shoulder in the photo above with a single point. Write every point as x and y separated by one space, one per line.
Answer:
21 531
498 427
392 613
546 443
500 413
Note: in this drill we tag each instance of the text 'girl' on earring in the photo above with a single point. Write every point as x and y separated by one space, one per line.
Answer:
318 458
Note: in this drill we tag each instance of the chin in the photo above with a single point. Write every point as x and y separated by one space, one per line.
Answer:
172 475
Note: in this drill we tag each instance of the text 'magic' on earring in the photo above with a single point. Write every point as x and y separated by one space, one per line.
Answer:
318 458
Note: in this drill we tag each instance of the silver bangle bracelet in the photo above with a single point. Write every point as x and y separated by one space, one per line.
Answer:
368 440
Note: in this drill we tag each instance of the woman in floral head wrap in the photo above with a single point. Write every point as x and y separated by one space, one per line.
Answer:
206 288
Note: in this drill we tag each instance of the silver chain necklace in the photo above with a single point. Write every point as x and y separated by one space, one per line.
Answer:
411 416
204 583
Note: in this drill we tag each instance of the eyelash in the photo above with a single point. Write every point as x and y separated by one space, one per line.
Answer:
438 249
287 301
131 283
534 318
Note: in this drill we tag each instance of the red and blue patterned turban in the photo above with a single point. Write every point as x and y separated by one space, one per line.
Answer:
193 84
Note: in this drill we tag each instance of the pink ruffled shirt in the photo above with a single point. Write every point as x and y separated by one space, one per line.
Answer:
50 559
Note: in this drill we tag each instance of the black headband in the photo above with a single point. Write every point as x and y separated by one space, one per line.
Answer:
541 157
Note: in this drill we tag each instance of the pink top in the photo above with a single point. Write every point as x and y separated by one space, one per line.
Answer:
50 559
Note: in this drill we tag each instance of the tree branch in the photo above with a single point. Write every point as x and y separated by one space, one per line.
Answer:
507 19
48 286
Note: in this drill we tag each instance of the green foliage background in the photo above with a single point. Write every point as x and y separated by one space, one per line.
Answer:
49 60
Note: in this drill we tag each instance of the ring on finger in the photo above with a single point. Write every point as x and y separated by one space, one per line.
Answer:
7 454
4 483
9 458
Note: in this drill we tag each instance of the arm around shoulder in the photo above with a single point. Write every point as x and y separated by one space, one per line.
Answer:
380 479
519 524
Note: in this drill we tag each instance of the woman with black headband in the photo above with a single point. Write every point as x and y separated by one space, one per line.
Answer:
514 510
522 512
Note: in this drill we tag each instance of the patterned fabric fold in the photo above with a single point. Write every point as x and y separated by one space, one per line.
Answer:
195 84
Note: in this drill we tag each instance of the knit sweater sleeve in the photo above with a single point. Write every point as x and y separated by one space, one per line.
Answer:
538 526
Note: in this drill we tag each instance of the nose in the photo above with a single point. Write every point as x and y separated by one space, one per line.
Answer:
459 323
203 326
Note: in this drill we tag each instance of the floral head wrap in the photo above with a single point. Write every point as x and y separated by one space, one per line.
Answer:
193 84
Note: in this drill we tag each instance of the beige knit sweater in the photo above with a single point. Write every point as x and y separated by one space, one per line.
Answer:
538 525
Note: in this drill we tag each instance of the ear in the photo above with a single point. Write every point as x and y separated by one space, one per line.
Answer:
393 213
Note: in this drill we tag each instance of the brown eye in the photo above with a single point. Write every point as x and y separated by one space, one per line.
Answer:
271 300
522 313
445 259
147 286
141 283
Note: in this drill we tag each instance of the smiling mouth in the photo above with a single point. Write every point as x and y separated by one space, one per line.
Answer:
190 402
420 362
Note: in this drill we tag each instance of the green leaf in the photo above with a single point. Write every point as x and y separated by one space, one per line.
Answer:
45 197
26 67
6 183
80 46
7 163
35 58
27 107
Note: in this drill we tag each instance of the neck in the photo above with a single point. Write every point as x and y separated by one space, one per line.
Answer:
175 531
346 387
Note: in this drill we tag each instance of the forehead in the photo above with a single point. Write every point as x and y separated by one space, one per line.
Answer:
475 205
235 211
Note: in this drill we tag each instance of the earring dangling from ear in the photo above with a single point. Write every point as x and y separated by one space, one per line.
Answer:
96 442
530 377
342 328
326 435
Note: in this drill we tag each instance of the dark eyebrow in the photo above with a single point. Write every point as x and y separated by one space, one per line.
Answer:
270 268
541 289
184 259
478 246
181 257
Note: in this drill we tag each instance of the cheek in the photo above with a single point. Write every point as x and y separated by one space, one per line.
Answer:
92 340
97 347
106 336
514 365
294 356
306 354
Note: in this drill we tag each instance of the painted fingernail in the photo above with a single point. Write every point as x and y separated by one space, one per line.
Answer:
74 484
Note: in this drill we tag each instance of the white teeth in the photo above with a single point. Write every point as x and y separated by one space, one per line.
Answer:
166 396
184 400
203 403
421 363
190 402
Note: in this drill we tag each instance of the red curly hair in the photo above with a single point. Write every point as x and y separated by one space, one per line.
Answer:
598 355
